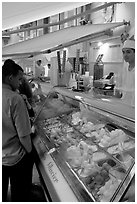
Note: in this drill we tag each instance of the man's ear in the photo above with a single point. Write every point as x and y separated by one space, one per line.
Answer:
10 77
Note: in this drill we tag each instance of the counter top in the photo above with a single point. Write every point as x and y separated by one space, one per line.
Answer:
112 104
55 167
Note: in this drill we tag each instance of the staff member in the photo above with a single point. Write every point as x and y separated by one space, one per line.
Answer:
39 70
128 75
67 73
17 162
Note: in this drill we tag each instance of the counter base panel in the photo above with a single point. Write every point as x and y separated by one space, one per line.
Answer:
58 188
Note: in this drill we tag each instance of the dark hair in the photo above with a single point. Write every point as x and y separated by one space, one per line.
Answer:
39 61
131 49
49 65
10 68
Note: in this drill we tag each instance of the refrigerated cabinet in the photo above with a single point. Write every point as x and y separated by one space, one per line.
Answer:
84 153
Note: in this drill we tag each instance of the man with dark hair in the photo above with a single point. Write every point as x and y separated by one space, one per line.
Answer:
17 163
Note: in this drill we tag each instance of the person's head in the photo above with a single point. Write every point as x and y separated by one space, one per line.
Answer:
25 88
128 51
49 65
39 62
68 60
12 74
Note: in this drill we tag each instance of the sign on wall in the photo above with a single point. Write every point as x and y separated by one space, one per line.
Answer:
111 53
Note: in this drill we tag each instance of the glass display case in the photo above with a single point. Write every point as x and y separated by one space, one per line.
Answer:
85 154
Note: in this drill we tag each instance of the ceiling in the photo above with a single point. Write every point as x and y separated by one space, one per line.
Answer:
58 38
19 13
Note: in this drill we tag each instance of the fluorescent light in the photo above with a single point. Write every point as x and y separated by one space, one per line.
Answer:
100 44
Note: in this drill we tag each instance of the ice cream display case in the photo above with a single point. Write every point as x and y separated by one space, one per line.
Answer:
84 155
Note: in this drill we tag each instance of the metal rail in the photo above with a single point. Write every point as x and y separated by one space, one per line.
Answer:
63 21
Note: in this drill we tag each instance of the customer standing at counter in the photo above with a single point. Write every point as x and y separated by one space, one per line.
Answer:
39 70
128 75
17 162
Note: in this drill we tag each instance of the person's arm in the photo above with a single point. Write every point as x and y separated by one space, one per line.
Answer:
26 101
21 121
29 107
26 142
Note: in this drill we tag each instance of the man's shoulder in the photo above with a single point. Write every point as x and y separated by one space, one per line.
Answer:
15 96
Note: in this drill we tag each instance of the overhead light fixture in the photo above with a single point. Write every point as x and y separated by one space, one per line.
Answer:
104 48
100 44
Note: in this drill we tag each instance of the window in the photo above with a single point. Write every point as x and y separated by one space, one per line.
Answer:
46 21
54 19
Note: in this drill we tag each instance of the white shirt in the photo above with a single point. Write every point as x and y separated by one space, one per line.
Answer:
39 71
67 73
128 85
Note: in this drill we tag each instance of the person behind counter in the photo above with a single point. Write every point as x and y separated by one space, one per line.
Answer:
39 70
67 73
17 163
127 89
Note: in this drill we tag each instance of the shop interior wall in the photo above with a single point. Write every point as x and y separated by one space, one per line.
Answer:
122 11
112 56
112 59
109 67
126 11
